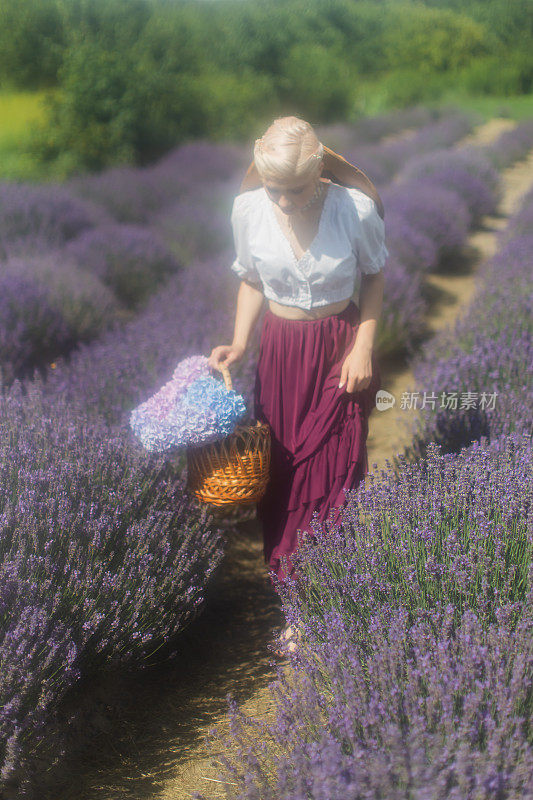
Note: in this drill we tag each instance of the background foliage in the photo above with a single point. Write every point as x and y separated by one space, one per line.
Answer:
126 80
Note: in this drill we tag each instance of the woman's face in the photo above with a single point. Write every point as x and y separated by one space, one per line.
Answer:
290 196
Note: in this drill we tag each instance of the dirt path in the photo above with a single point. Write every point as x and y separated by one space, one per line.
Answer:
155 749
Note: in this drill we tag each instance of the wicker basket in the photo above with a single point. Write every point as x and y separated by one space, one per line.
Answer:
233 470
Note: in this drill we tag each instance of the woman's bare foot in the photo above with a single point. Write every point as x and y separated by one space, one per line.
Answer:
287 632
290 637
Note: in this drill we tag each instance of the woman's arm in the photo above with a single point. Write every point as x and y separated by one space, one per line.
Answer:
370 305
356 370
249 303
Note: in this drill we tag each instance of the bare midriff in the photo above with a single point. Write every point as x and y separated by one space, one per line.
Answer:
295 312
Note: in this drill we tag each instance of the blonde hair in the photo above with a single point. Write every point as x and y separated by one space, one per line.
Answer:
289 149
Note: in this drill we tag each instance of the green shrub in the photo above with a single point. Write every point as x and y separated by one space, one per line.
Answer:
317 82
31 43
405 87
431 40
114 108
232 106
511 74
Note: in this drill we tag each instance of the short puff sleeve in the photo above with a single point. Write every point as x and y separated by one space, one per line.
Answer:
243 265
369 245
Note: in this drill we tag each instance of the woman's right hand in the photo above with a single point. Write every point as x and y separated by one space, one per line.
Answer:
224 355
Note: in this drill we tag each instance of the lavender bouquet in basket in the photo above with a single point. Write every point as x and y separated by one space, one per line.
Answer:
193 408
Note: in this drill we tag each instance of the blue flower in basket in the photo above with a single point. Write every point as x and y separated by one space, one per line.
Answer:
188 412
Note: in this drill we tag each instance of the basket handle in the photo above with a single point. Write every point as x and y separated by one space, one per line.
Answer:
227 377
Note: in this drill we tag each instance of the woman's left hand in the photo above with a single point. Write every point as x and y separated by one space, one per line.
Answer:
357 369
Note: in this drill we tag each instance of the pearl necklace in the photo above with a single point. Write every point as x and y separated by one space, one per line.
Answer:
316 196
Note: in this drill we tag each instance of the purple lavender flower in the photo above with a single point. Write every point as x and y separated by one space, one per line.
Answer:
439 213
32 331
128 258
468 173
106 557
36 217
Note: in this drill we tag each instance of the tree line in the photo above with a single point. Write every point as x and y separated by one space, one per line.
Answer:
131 78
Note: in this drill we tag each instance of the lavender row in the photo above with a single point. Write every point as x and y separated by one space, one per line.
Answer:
431 206
425 709
415 672
341 136
105 555
486 359
511 146
104 558
382 162
68 272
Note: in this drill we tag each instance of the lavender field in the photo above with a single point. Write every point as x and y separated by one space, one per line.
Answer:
417 665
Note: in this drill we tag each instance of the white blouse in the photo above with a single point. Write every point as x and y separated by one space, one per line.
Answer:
350 237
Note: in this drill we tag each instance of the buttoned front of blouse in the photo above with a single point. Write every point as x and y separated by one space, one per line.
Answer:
350 237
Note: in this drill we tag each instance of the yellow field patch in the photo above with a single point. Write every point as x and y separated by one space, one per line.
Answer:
17 111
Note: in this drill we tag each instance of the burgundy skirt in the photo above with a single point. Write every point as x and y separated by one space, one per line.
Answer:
318 431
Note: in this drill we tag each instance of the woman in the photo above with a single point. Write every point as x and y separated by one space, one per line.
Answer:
300 240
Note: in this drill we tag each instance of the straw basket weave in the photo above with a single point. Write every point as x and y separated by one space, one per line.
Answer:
233 470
